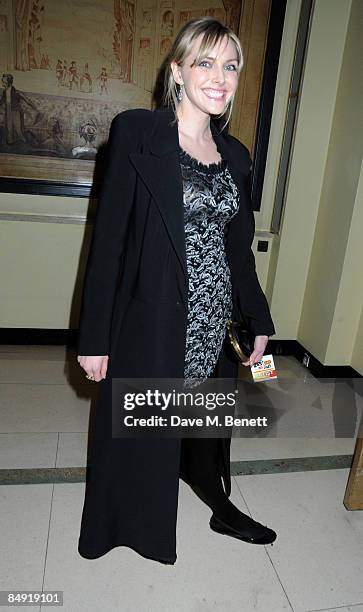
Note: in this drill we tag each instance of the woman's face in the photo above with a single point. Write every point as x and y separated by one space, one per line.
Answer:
210 85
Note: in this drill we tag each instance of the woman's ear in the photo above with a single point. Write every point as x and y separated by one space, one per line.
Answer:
176 72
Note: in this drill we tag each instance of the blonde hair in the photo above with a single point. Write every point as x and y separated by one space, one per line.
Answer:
213 33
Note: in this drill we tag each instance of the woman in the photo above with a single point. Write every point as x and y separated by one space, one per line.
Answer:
170 261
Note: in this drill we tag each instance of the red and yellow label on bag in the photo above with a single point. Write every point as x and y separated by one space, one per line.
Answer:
264 369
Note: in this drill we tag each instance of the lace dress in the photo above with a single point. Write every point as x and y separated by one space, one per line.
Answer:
211 199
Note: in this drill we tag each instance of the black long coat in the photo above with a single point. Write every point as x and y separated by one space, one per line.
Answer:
134 309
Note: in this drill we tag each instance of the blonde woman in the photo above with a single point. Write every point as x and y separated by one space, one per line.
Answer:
170 262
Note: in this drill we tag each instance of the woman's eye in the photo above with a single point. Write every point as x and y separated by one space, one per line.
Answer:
230 67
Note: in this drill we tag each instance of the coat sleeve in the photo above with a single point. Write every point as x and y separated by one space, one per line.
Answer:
251 299
108 239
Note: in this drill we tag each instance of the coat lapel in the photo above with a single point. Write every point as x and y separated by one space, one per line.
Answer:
159 168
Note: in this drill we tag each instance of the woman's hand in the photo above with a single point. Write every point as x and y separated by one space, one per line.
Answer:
259 349
95 366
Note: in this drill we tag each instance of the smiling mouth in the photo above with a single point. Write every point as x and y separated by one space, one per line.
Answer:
214 94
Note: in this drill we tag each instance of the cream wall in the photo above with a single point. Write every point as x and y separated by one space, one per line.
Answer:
311 142
42 260
311 272
317 282
357 350
333 295
334 289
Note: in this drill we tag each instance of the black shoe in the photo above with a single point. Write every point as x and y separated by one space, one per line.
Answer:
263 535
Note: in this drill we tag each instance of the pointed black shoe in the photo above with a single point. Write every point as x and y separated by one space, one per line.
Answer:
264 535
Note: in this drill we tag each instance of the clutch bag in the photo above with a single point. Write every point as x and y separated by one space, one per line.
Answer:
241 339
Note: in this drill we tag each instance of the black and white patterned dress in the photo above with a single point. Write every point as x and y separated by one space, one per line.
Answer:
211 199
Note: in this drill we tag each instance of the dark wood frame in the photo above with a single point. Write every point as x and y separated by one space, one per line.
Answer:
273 48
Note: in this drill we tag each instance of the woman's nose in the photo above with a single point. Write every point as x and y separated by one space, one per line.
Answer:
218 74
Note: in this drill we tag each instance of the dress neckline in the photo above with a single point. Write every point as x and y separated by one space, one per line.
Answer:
212 168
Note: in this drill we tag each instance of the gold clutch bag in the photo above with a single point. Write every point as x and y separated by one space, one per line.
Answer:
241 339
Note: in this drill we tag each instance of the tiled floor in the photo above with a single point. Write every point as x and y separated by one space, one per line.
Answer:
315 564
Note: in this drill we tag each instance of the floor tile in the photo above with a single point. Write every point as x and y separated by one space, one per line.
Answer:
32 370
212 572
353 608
314 565
244 449
42 408
318 551
28 450
41 364
48 351
300 409
25 512
72 450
